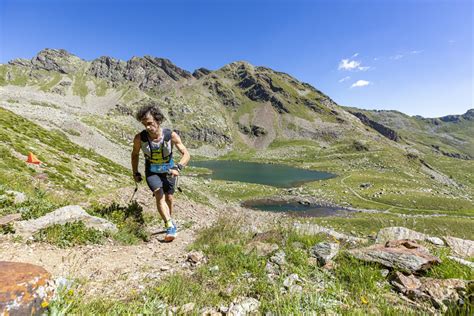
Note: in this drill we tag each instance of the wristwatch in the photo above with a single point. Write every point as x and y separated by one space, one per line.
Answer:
179 166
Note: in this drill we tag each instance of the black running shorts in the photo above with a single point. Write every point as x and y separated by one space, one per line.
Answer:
160 180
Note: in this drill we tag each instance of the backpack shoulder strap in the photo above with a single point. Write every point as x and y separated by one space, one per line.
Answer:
167 134
144 136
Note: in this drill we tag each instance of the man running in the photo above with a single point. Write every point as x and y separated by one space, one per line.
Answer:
160 170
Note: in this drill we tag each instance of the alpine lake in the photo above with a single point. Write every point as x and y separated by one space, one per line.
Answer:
276 175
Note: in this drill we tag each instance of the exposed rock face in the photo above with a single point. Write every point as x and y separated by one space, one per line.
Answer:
405 255
23 288
382 129
440 293
201 72
225 94
108 68
462 247
53 59
148 72
208 135
62 216
325 252
450 154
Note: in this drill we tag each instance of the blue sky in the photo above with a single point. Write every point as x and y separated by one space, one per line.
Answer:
412 56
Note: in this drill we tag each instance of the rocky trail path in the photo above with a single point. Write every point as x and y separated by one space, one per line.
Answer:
116 270
113 269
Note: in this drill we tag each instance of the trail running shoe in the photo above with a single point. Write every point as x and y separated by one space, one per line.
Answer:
171 233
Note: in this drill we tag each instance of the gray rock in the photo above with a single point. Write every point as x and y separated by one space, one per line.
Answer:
279 258
325 251
313 229
291 280
404 255
435 241
18 197
469 264
196 257
61 216
187 308
214 269
396 233
244 306
462 247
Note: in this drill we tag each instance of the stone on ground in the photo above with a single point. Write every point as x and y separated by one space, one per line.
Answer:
244 306
24 288
313 229
396 233
404 255
324 252
61 216
462 247
441 293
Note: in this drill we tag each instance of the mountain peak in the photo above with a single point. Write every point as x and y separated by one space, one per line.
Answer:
58 60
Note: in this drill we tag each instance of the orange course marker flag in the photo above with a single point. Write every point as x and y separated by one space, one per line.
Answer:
32 159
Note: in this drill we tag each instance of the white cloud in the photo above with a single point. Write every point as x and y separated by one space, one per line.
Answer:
344 79
416 52
360 83
355 55
347 64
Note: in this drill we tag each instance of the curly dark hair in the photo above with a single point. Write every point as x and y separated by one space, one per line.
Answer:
151 109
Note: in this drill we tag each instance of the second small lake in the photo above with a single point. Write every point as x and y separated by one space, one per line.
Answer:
269 174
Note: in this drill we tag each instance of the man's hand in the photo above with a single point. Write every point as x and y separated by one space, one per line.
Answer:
173 172
137 176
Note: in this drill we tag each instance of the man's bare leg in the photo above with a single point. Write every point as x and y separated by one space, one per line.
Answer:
161 205
169 201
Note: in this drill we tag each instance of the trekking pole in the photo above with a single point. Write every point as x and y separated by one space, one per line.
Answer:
134 191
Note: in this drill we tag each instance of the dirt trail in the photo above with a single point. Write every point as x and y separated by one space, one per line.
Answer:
116 270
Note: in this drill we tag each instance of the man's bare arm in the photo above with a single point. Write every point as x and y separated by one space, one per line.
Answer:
136 153
185 157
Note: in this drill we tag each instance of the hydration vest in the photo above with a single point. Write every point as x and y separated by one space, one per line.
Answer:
158 156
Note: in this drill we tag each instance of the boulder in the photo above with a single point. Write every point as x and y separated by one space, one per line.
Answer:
462 247
441 293
25 289
313 229
396 233
404 255
325 251
61 216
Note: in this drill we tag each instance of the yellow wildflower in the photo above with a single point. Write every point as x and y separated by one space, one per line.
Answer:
44 304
